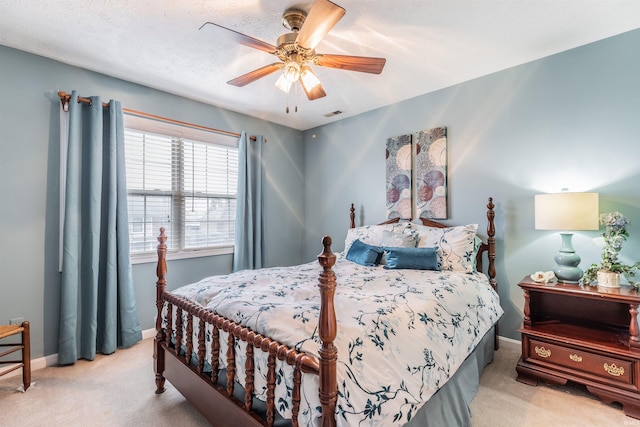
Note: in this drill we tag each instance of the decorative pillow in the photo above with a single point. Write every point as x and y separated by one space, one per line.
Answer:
405 239
456 245
364 254
415 258
372 234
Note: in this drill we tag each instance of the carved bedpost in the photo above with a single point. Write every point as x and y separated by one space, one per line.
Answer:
491 272
327 326
352 216
491 233
161 285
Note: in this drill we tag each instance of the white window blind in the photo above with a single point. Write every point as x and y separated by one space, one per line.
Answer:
185 185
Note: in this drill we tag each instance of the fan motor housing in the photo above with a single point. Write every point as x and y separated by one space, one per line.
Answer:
287 41
287 46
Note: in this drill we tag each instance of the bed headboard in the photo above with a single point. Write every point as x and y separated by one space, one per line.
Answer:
488 247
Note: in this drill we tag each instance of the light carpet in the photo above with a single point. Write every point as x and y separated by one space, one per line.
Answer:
118 390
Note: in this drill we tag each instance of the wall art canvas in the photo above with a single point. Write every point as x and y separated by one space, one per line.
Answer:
431 173
399 161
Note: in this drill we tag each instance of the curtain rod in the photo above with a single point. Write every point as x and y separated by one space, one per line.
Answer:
65 97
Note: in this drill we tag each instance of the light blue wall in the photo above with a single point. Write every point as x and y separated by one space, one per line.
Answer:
570 120
29 187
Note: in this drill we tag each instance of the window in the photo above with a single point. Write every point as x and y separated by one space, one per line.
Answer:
182 179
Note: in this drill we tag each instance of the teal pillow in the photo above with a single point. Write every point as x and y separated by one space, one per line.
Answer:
413 258
364 254
406 239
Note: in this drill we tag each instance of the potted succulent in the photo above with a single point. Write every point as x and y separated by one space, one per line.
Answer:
608 272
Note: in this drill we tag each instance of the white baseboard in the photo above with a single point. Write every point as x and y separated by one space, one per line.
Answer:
148 333
39 363
52 359
509 343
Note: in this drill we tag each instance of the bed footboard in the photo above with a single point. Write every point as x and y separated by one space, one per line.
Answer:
211 388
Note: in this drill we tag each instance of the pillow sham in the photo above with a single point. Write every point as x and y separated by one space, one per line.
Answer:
364 254
372 234
477 242
414 258
455 245
406 239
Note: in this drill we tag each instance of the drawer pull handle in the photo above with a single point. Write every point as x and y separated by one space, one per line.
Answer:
614 370
542 352
575 358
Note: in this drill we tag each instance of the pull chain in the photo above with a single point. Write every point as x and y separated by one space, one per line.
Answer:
295 96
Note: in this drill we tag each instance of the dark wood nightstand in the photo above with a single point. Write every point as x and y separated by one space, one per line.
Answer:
585 335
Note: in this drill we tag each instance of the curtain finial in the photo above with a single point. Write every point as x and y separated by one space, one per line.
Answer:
64 100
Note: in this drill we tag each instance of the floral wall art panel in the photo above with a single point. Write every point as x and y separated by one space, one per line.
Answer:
431 173
399 159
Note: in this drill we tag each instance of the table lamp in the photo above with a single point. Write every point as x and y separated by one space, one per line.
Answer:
567 212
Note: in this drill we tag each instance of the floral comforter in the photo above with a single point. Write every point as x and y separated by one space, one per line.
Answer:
401 333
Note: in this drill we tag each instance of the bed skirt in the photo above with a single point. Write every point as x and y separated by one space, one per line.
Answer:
450 405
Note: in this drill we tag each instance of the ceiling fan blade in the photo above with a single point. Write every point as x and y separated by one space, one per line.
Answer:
255 74
311 85
353 63
320 20
245 40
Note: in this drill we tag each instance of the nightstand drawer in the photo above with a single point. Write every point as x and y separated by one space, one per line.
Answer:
580 360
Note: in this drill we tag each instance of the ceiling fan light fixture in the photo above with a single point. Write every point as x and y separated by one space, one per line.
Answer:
291 71
308 79
283 84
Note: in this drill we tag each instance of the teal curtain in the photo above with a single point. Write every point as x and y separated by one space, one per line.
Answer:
98 311
249 252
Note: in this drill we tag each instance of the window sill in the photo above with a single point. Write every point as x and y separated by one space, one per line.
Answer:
153 257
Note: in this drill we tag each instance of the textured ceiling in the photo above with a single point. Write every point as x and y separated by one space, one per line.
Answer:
428 44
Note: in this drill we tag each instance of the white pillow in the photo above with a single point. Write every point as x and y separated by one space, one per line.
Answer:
455 245
372 234
407 239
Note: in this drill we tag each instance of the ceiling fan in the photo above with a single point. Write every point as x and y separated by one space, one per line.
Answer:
296 50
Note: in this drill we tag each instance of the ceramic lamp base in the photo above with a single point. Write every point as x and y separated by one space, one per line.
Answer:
567 260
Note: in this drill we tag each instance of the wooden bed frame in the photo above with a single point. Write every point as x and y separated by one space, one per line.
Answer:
213 396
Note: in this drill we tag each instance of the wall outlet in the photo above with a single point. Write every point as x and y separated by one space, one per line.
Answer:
16 321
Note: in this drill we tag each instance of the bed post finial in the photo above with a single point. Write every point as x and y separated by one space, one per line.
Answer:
161 285
161 268
327 326
352 216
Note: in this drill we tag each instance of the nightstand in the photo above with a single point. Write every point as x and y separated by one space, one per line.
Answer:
581 334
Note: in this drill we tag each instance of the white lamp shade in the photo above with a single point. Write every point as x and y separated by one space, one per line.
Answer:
567 211
283 84
308 79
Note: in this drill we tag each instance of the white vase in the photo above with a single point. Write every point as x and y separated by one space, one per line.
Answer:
608 279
